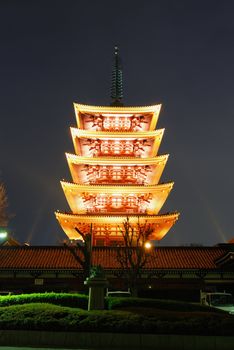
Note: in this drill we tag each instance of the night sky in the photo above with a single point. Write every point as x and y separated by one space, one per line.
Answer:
178 53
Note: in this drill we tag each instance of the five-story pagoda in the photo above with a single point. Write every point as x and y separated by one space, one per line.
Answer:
115 170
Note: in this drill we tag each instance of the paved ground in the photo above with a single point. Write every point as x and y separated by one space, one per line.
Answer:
20 348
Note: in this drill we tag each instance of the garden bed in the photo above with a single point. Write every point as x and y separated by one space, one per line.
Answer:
50 317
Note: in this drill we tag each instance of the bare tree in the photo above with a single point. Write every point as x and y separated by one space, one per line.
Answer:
4 216
84 255
133 256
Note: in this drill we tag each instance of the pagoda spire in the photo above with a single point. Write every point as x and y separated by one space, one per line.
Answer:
117 80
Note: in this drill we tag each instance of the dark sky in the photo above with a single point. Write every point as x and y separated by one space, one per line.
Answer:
179 53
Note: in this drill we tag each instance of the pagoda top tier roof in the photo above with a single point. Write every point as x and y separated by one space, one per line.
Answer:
143 117
117 109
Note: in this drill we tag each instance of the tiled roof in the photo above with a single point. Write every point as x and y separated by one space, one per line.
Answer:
62 258
226 260
10 242
37 258
168 257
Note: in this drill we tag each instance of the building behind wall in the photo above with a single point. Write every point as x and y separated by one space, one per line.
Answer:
170 272
116 171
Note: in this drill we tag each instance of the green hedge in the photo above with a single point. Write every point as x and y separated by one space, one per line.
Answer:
111 303
63 299
53 317
57 318
171 305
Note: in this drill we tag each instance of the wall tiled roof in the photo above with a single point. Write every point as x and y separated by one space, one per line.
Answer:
37 258
169 257
61 258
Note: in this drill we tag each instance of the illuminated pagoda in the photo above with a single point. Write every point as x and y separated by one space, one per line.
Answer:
115 170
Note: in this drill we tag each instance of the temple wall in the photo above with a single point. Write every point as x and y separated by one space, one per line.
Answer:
185 288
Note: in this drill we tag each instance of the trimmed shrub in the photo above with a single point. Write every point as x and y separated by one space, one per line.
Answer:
113 303
58 318
63 299
51 317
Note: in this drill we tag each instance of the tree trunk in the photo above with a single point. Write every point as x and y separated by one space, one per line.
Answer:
134 291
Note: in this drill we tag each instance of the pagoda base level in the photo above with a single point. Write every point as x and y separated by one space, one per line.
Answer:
106 230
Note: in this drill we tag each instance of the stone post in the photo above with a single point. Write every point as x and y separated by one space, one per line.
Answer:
97 284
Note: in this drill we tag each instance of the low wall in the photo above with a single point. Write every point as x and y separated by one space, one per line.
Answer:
114 340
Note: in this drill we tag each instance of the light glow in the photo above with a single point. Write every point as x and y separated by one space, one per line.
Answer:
3 234
148 245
